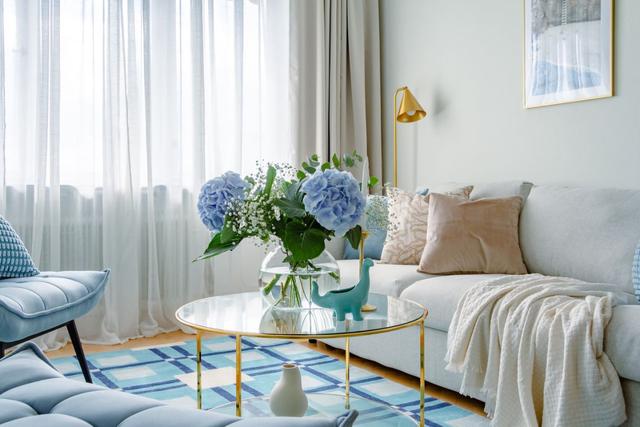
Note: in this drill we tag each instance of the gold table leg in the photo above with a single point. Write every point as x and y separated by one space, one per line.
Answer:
199 368
238 375
347 351
421 325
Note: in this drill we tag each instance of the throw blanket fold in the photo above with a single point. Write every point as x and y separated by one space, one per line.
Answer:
532 345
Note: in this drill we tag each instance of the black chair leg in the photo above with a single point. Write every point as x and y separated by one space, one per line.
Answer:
77 346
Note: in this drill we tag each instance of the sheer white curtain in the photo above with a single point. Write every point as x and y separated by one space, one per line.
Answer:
112 114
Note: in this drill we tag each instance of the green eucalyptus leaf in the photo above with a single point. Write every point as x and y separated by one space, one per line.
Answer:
373 181
308 168
325 166
336 161
301 175
348 160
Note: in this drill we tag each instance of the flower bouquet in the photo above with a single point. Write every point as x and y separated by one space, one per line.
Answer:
298 211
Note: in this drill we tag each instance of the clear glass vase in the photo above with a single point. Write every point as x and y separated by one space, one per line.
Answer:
285 288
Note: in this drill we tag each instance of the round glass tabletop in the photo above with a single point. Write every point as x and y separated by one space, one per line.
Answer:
329 405
249 315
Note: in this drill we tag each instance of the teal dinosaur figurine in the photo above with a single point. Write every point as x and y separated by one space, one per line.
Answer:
348 300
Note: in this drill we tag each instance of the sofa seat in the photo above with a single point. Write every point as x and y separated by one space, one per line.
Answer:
440 295
30 305
386 279
34 394
622 341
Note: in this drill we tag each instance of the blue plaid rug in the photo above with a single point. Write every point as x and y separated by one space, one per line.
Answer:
167 373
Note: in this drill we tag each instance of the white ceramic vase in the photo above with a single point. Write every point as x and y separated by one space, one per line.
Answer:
287 397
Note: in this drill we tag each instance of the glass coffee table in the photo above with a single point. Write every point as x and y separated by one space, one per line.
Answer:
248 315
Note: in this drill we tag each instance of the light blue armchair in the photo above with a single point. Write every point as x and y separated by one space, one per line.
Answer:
33 306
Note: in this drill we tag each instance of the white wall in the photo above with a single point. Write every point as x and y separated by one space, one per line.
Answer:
463 61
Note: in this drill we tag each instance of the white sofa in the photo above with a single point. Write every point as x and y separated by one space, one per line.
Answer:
589 234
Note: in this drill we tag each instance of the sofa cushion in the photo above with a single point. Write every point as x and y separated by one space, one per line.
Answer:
406 236
440 295
168 416
588 234
472 236
48 420
492 190
30 305
33 393
12 410
15 260
386 279
408 219
622 341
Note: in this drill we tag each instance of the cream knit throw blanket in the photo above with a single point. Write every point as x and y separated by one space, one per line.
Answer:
532 345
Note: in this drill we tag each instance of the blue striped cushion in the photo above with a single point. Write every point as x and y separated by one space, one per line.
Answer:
636 272
15 260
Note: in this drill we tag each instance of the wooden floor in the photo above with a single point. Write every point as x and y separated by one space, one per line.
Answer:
391 374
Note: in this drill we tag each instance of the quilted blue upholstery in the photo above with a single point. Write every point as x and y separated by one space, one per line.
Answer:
30 305
34 394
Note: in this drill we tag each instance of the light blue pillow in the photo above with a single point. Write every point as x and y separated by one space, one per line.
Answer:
636 272
15 260
376 208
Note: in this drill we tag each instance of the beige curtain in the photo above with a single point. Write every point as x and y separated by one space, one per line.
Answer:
335 72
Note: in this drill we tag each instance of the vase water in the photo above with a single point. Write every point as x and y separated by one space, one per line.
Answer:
284 287
287 397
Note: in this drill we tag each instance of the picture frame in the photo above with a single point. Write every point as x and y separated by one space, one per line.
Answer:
568 51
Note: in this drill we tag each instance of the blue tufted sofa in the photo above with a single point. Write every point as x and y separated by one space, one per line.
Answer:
34 394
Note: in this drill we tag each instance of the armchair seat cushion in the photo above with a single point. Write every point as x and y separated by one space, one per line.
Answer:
30 305
33 394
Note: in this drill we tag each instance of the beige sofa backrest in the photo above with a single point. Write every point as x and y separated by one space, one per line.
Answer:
588 234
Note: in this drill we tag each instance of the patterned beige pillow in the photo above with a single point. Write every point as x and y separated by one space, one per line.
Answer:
408 217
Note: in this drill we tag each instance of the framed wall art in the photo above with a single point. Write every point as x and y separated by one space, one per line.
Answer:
568 51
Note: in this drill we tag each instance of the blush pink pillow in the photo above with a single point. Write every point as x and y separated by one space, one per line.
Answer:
472 236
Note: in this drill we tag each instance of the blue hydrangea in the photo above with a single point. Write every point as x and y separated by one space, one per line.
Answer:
333 197
215 196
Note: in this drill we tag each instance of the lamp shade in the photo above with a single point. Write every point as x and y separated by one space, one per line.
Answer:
410 109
